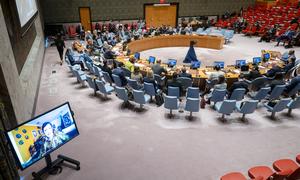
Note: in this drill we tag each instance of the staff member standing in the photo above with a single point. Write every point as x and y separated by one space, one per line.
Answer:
60 45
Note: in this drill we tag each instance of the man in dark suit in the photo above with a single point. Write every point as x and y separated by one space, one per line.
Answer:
290 65
239 84
278 80
275 69
119 72
175 83
253 74
295 81
157 68
185 74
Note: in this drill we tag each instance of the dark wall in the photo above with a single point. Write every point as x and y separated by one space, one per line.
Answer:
21 38
63 11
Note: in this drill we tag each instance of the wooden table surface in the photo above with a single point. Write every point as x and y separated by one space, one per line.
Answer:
213 42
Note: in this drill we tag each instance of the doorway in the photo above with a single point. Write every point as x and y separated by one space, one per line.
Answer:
85 18
157 14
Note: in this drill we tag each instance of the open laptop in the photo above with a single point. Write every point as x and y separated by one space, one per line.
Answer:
256 60
172 62
137 55
221 64
151 59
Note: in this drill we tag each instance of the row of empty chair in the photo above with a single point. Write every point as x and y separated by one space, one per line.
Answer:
284 169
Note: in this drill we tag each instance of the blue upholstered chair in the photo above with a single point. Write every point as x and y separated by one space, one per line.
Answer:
107 78
226 107
211 83
246 107
257 83
192 105
92 84
98 72
294 91
90 67
218 95
117 80
105 89
185 81
171 103
174 91
238 94
140 97
122 94
81 77
127 73
294 104
192 92
279 106
159 80
149 89
133 84
276 92
261 94
71 69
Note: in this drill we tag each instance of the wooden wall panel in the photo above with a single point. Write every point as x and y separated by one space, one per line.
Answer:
160 15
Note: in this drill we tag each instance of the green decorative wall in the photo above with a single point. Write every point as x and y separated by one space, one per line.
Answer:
66 11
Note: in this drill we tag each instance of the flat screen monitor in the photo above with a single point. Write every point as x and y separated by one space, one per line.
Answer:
151 59
172 62
26 10
256 60
38 137
195 64
137 55
267 56
240 63
219 63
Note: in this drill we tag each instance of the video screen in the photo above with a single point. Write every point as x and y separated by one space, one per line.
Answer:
240 63
219 63
137 55
256 60
26 9
38 137
152 59
172 62
267 56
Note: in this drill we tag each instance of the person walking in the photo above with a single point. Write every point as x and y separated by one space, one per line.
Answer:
60 45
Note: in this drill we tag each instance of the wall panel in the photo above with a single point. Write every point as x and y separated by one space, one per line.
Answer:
63 11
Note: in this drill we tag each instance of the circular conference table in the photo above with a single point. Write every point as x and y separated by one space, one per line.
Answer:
204 41
199 75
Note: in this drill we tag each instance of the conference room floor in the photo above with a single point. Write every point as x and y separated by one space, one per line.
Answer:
122 144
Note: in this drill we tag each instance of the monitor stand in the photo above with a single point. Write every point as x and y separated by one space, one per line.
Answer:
53 167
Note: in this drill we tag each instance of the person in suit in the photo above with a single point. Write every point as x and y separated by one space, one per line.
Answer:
275 69
294 82
158 69
239 84
119 72
60 45
185 74
137 75
106 68
72 60
253 74
290 65
278 80
286 36
215 75
150 79
175 83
